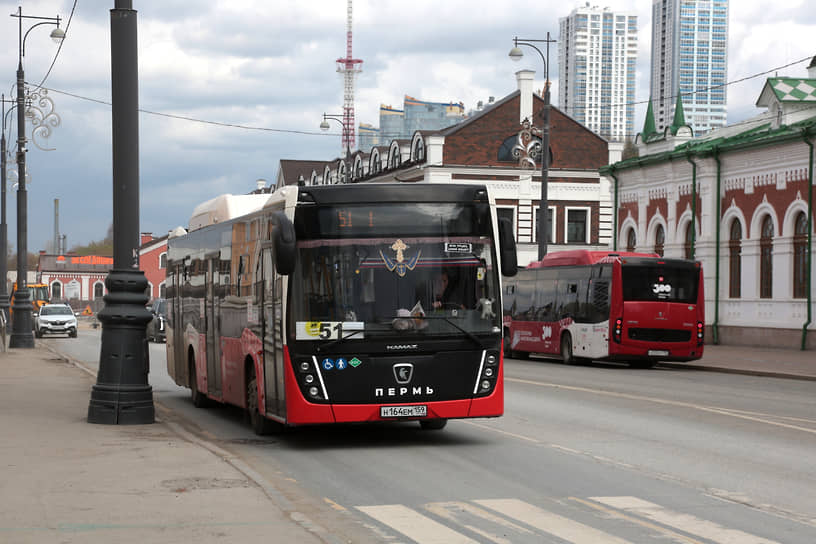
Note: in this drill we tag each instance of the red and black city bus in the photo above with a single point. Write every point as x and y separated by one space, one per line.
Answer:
630 307
318 304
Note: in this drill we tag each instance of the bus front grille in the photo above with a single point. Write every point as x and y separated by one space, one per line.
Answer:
659 335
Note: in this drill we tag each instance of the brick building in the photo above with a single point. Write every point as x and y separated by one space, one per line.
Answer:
498 146
76 279
153 262
738 199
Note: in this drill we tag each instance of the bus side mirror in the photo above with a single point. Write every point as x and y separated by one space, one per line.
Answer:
507 248
285 244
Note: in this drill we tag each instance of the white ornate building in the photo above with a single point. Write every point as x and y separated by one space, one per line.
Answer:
740 200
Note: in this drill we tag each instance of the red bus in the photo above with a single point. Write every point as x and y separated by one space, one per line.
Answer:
318 304
636 308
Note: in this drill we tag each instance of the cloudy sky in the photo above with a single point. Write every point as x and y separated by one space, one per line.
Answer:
269 66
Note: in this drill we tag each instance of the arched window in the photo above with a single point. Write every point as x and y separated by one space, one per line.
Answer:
660 240
734 259
163 261
419 150
163 290
99 290
800 285
56 290
688 245
766 258
631 240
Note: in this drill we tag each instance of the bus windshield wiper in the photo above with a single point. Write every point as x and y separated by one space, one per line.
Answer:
336 341
466 332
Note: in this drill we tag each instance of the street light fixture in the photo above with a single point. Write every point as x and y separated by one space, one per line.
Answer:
543 209
324 126
21 331
122 394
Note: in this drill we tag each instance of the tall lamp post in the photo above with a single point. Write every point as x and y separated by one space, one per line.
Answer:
122 394
21 331
4 297
324 126
543 209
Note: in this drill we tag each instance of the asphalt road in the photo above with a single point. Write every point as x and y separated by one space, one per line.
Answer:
597 453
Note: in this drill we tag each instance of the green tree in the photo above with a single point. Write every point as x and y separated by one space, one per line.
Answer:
102 247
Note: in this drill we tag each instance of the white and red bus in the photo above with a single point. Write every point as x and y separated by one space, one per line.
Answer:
318 304
595 305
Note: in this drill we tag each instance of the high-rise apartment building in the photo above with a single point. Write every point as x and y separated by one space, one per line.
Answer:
416 115
690 57
597 57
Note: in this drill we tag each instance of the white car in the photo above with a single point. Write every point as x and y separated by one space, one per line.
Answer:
55 319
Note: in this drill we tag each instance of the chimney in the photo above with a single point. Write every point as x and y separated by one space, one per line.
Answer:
260 183
525 86
147 237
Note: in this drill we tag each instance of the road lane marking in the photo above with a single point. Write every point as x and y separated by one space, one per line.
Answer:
548 522
683 522
666 402
499 431
414 525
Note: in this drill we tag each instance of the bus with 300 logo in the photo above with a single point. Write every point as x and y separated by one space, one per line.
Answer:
637 308
342 303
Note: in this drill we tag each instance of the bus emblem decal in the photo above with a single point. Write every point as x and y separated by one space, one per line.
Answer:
399 263
403 372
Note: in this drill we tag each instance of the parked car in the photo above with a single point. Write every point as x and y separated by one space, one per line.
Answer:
55 319
158 325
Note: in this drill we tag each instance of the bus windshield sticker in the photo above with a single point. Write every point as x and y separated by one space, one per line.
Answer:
329 330
458 247
399 263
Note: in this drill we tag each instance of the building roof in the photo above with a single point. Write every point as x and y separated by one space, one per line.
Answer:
291 169
74 263
788 89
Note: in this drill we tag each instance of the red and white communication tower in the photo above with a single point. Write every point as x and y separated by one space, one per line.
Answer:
349 67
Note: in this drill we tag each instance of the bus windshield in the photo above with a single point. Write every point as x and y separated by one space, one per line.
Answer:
660 282
403 268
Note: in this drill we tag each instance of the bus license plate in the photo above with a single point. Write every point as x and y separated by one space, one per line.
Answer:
658 352
404 411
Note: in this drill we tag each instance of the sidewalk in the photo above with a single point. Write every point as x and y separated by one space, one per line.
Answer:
777 363
68 481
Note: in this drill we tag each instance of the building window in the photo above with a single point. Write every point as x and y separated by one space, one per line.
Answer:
631 240
550 233
800 285
687 246
163 261
766 258
163 290
99 290
56 290
734 259
577 226
660 240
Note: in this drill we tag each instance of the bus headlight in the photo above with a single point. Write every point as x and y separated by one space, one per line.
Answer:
309 379
313 391
305 366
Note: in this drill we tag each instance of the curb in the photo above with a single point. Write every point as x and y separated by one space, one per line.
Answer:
742 371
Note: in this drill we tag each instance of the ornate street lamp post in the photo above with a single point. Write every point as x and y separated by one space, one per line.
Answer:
21 332
543 209
122 394
4 298
324 126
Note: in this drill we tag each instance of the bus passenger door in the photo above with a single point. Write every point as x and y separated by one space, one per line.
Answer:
272 338
213 332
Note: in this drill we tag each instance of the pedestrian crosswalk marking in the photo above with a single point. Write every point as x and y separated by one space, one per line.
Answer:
504 521
414 525
449 510
684 522
554 524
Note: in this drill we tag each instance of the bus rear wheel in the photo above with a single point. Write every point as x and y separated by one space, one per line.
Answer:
432 424
566 349
199 398
260 424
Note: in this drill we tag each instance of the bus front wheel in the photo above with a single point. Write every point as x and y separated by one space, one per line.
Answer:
432 424
260 424
566 349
